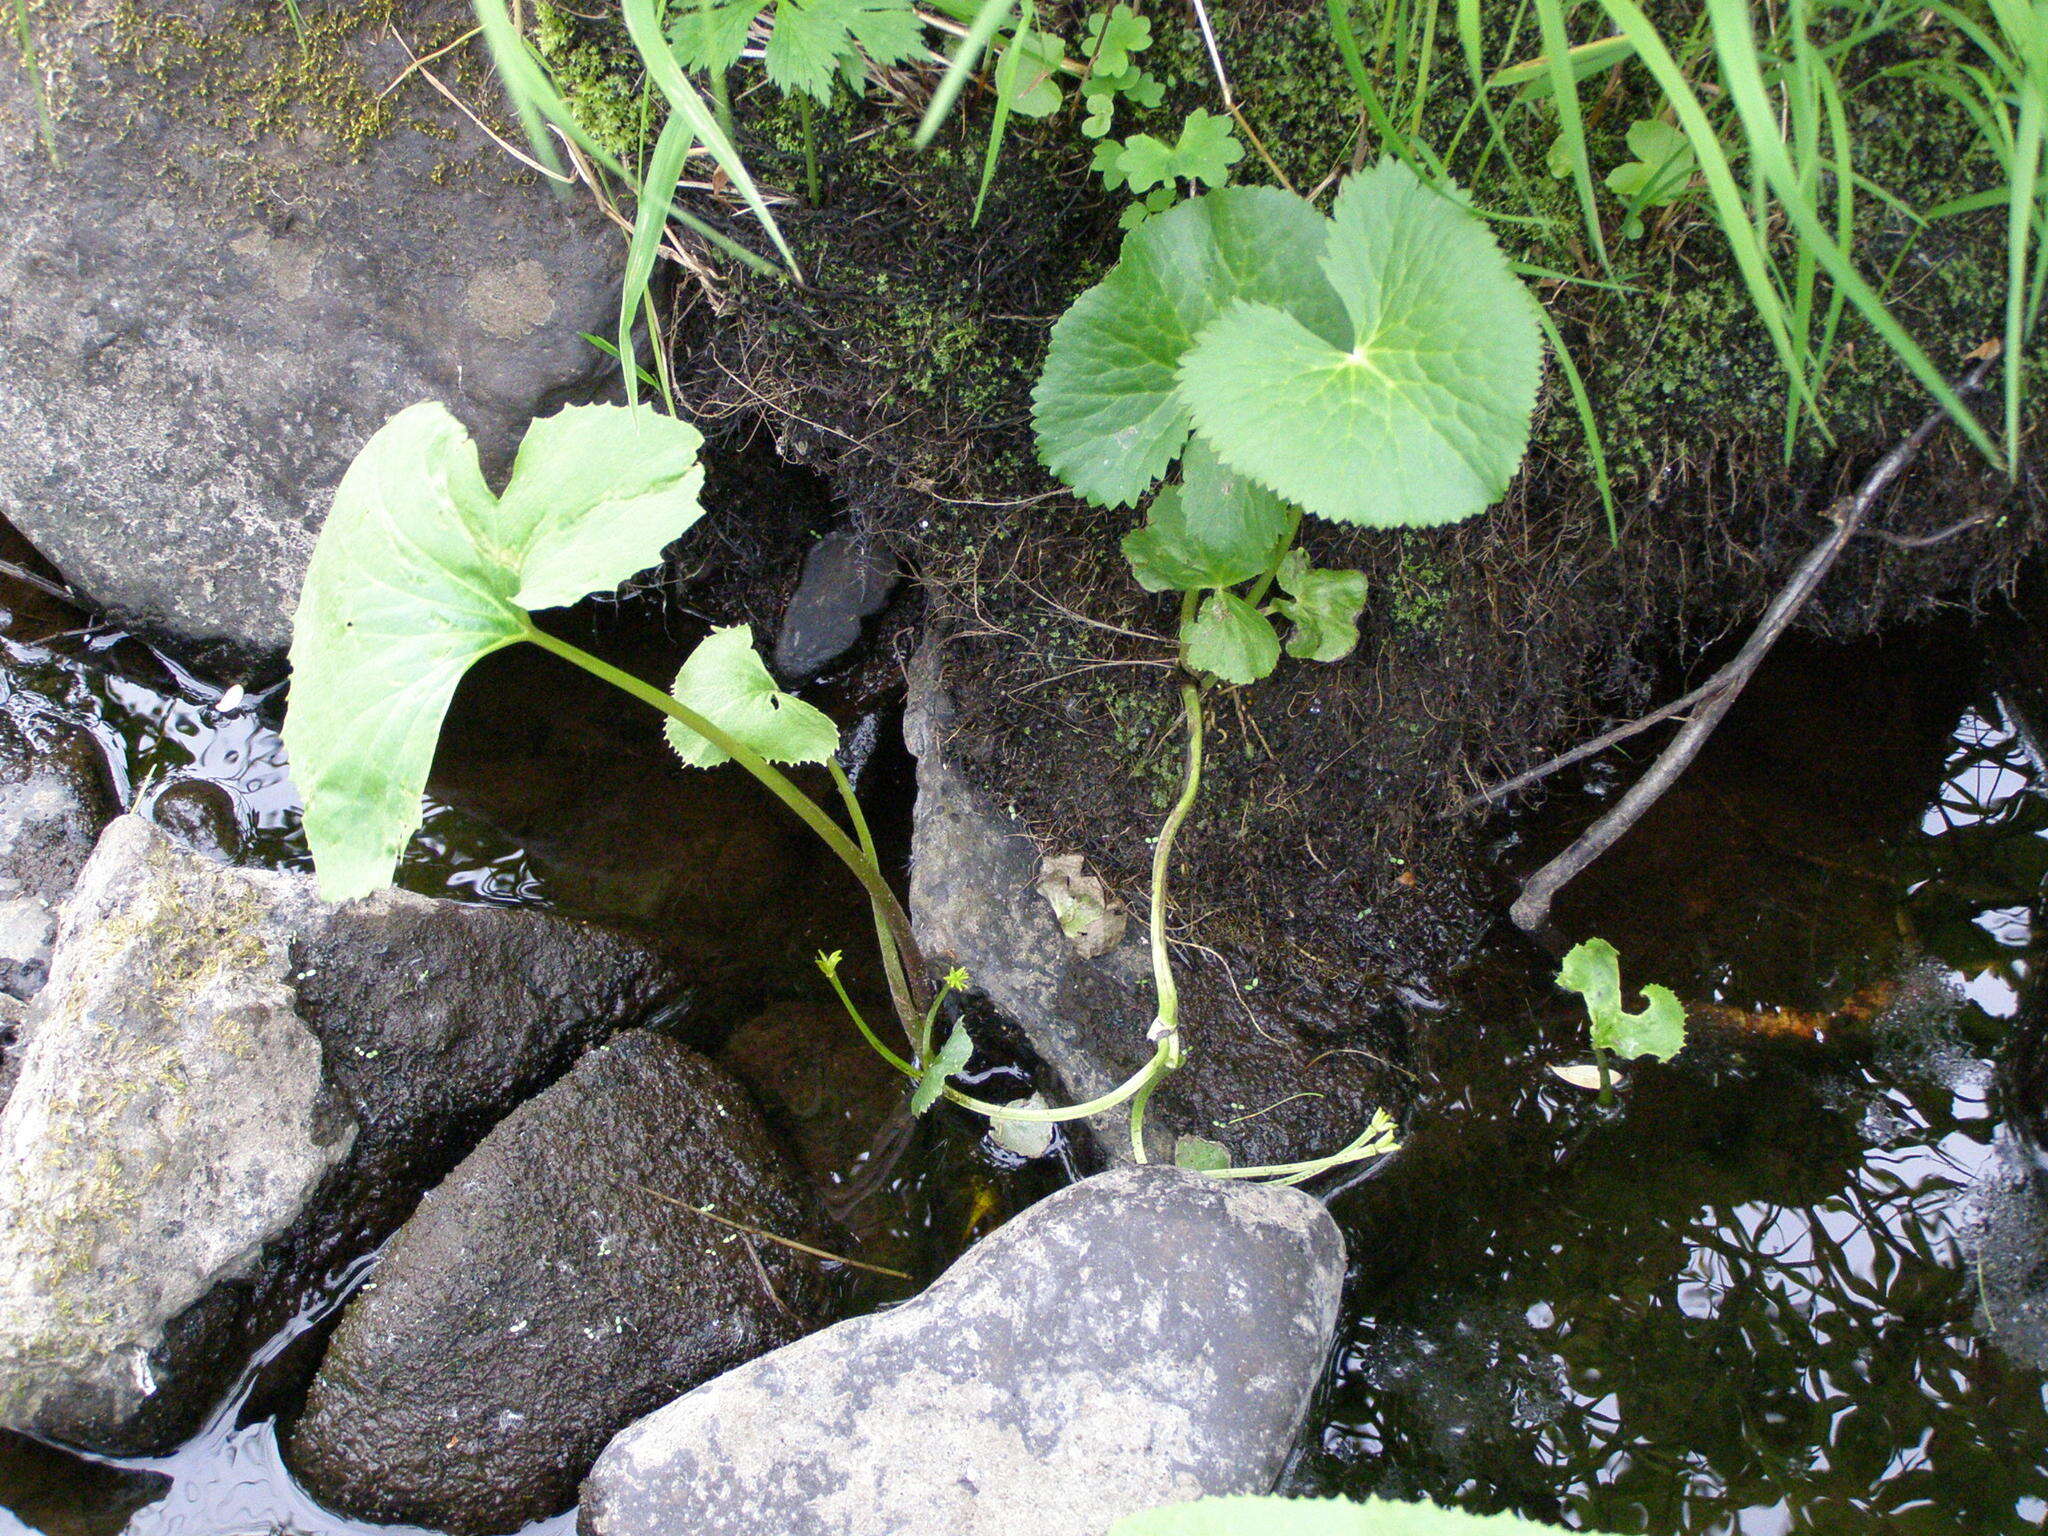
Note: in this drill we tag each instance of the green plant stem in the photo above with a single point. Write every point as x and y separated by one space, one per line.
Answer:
778 784
1606 1077
803 112
1166 1023
885 935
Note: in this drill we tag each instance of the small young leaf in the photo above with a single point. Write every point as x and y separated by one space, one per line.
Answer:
1024 1138
1200 1154
1214 529
952 1056
1230 639
419 572
1100 119
1204 154
1109 417
1593 970
1035 91
1323 607
1420 413
1662 169
726 682
1113 36
711 34
812 38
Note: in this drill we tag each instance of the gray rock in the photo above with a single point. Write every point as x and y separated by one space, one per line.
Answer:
976 900
242 263
231 1088
846 578
54 798
542 1299
1145 1337
202 815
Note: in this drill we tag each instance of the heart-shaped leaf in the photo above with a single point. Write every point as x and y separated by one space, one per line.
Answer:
727 683
419 571
1419 413
1230 639
1593 970
1214 529
1323 607
1109 417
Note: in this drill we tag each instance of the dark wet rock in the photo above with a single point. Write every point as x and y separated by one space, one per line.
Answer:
231 1088
822 1086
847 578
1141 1338
541 1299
244 262
202 815
976 901
61 1495
54 798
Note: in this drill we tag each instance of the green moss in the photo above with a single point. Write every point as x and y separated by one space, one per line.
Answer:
600 82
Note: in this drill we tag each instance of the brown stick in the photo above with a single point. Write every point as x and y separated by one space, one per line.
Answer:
1532 908
1597 745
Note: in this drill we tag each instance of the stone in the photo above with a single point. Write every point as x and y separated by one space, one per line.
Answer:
55 795
847 577
242 262
978 898
1144 1337
230 1089
552 1290
202 815
823 1087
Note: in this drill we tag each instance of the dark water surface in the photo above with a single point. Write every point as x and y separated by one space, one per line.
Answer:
1782 1286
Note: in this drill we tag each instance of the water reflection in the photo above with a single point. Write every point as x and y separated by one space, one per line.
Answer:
1753 1297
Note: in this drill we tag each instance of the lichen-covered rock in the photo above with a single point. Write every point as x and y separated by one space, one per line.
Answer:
230 1088
244 258
54 798
1145 1337
553 1290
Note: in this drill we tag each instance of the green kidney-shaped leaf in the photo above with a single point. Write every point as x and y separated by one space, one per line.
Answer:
1109 417
1321 1517
1323 607
1230 639
727 683
419 571
1214 529
1420 413
1593 970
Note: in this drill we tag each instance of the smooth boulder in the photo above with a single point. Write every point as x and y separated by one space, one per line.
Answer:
230 1089
560 1284
55 796
1141 1338
244 255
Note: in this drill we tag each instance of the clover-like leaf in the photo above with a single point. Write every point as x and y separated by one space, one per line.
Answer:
1662 168
1113 36
1323 607
726 682
1200 1154
1275 1516
1214 529
1034 84
1204 153
1107 409
419 572
1420 413
952 1057
1593 970
1230 639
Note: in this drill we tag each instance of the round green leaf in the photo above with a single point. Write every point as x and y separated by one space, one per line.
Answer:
419 571
1215 529
727 683
1109 419
1420 413
1230 639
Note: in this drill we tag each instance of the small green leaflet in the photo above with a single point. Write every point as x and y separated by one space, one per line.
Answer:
1201 1154
952 1057
1323 607
1593 970
711 34
419 572
1107 409
1113 36
1322 1517
1203 154
1214 529
1035 85
1420 413
727 683
1662 167
814 40
1230 639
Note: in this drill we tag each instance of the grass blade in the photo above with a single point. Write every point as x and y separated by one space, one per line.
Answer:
1564 92
650 227
980 33
1582 403
1006 91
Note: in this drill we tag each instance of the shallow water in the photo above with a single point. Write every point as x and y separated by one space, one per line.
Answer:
1752 1297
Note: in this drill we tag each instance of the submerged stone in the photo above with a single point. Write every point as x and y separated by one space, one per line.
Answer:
846 578
229 1089
1144 1337
558 1285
